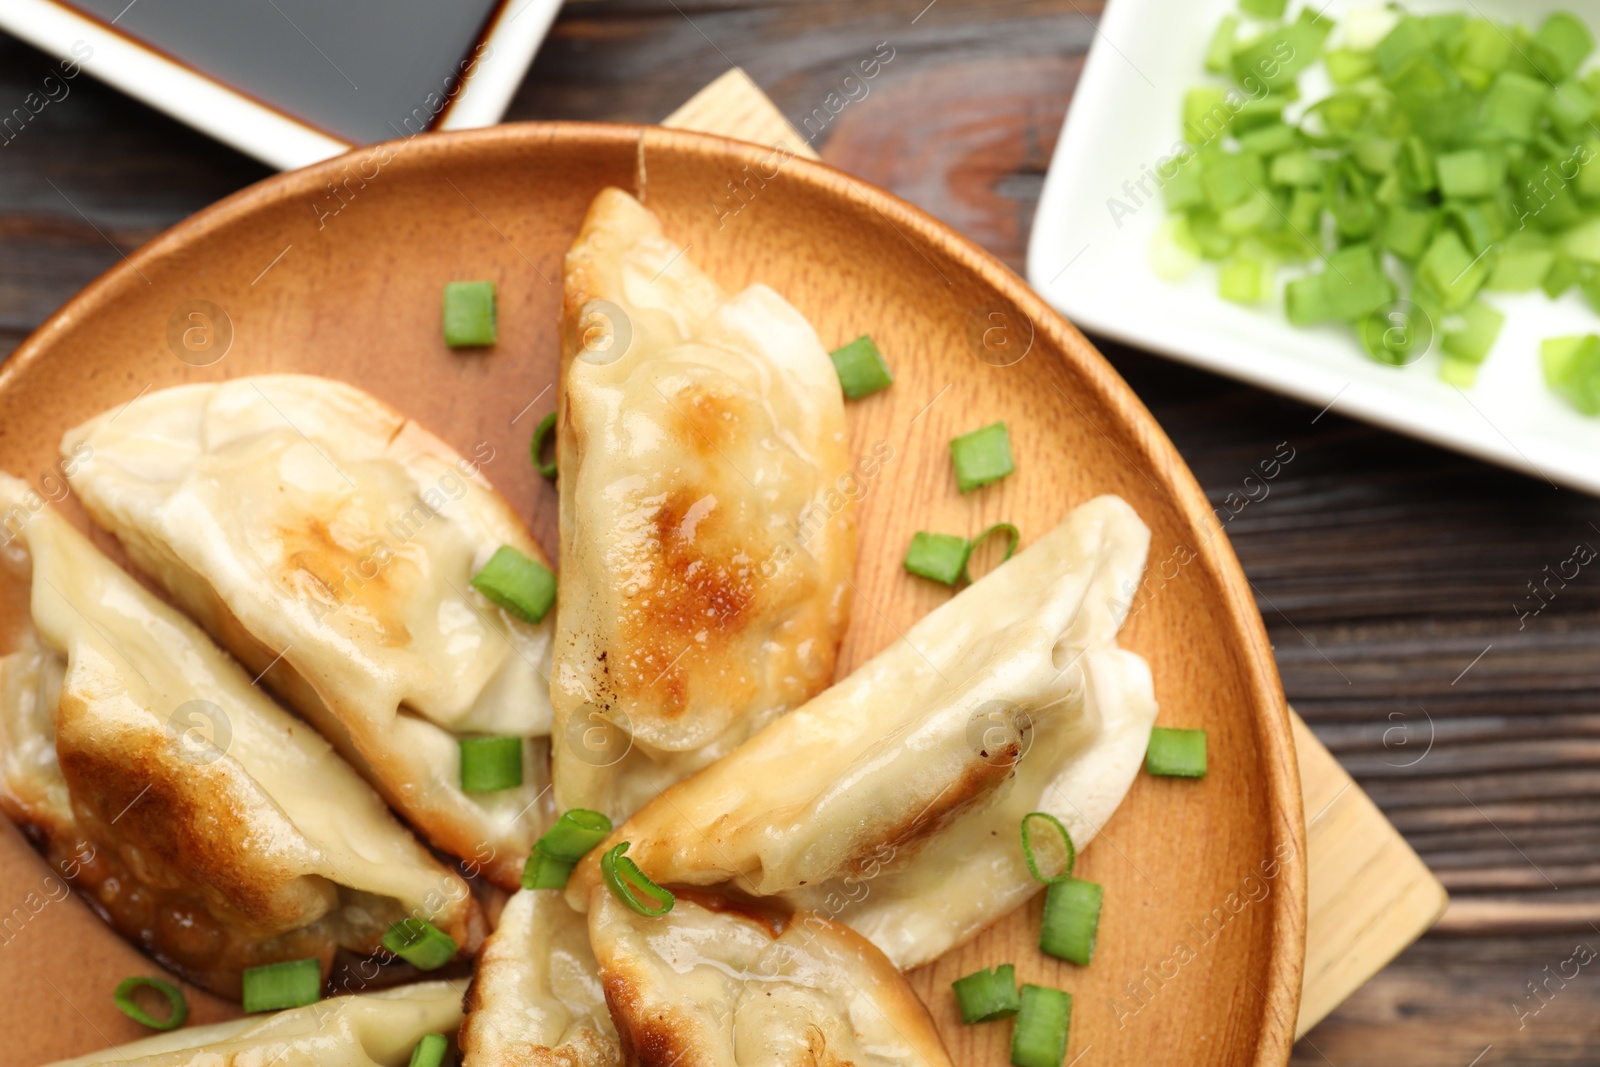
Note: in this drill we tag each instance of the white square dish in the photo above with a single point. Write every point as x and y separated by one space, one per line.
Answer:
1089 256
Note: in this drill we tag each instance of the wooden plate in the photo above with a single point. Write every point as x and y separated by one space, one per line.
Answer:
337 270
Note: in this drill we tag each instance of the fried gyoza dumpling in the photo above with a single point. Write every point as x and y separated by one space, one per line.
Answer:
892 801
206 824
330 542
714 986
706 547
368 1030
536 999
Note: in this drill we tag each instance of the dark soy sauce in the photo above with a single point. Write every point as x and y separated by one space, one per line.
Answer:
362 70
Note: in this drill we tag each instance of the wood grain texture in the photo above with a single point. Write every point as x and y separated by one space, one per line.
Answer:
1391 561
1219 863
1368 895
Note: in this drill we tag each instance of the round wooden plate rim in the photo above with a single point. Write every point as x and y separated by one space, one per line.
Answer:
1157 453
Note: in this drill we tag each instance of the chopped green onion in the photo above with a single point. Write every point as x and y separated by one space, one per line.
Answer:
1269 139
1471 173
1479 51
1407 230
1014 538
1206 115
1066 854
1561 44
987 995
541 437
1176 753
1471 343
1465 149
282 985
1398 335
1208 235
574 834
562 846
1450 272
1039 1038
1219 53
1458 372
1296 168
981 457
1346 65
420 943
1263 9
490 764
522 586
1231 179
628 884
1571 107
1182 188
429 1052
1071 920
1572 368
1511 106
1408 39
469 314
545 872
1415 166
1306 302
939 557
177 1003
861 368
1354 285
1582 243
1563 275
1244 279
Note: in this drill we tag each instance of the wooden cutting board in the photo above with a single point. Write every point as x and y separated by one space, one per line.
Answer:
1369 894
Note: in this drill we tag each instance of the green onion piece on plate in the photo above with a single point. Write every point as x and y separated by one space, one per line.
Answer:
861 368
469 316
631 885
282 985
1480 326
1219 53
429 1052
937 556
420 943
178 1004
1071 920
1263 9
490 764
563 845
1040 1036
524 587
1012 534
541 437
1176 753
1562 43
574 834
1060 844
985 996
545 872
982 456
1572 368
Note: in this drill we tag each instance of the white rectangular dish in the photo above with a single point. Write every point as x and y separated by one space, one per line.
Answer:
1089 256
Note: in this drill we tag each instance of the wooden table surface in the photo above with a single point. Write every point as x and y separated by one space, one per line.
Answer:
1394 577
